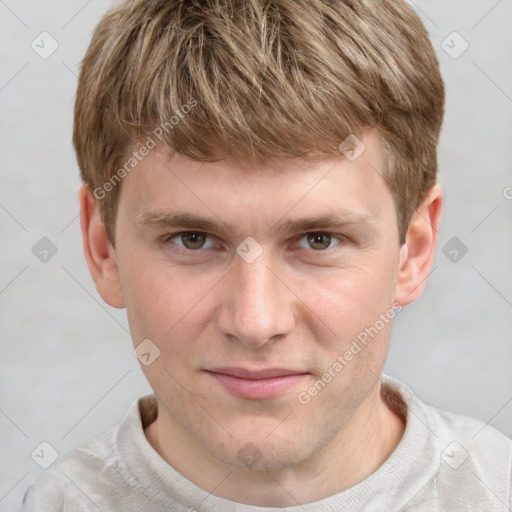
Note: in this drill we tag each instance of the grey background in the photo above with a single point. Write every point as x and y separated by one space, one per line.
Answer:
67 370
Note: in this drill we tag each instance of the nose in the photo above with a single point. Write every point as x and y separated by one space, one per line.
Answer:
256 304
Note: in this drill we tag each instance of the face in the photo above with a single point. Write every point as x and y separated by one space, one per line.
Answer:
232 267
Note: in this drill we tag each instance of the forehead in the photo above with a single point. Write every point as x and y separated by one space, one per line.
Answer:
232 189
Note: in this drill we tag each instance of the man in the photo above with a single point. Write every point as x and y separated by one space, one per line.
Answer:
260 194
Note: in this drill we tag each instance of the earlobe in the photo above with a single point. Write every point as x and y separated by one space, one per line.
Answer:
417 254
98 250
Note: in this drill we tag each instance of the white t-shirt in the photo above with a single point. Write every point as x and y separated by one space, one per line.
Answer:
444 462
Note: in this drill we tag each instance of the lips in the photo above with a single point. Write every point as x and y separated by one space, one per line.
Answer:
268 373
261 384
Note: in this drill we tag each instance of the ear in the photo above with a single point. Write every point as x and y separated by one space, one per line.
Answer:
417 253
99 253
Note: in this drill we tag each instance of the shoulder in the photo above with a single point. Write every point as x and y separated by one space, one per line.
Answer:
95 473
67 484
475 464
473 434
466 438
472 459
486 452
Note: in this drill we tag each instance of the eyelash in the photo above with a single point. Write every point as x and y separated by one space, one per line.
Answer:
171 236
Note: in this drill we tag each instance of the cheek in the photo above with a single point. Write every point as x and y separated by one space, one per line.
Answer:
352 295
161 300
347 319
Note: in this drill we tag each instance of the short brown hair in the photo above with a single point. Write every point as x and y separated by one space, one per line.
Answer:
267 79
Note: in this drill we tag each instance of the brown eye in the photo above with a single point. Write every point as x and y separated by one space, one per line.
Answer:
319 241
190 240
193 240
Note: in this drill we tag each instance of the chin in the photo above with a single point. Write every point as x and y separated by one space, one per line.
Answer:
263 452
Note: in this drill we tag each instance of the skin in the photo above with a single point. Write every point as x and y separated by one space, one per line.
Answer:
298 305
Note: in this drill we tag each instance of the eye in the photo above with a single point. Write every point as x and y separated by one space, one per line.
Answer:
191 240
319 241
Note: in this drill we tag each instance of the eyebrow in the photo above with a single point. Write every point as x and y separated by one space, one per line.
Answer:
170 220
